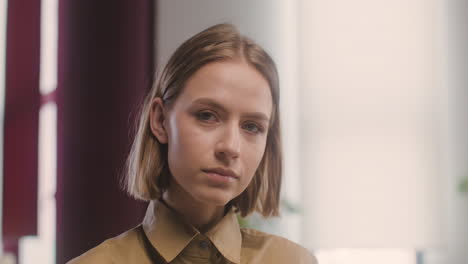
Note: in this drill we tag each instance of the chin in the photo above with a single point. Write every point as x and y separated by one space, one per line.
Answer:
216 198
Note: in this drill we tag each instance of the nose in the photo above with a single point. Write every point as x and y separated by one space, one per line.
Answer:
228 145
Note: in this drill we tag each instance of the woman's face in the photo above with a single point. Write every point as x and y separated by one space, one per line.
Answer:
217 130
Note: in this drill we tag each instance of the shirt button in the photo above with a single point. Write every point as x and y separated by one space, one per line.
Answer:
204 244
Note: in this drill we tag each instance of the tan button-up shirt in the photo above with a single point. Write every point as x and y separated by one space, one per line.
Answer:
178 242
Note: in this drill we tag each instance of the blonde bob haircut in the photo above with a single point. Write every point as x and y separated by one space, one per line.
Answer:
147 174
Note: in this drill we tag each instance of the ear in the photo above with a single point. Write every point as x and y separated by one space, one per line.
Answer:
157 119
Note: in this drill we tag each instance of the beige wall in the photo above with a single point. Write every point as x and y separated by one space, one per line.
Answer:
372 103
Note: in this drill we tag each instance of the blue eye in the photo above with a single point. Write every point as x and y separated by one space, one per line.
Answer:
253 128
206 116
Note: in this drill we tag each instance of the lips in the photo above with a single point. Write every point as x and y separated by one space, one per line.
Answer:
223 172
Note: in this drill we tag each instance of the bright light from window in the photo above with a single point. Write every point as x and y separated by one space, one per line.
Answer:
49 28
41 249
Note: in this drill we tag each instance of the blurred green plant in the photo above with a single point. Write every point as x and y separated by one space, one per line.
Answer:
289 207
243 221
463 187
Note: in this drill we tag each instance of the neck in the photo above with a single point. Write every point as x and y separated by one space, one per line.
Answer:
200 215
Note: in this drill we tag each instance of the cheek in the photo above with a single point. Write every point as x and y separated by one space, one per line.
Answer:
177 148
185 142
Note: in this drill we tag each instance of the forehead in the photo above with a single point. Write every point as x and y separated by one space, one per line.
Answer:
234 84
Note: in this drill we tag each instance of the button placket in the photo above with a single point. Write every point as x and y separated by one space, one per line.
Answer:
204 244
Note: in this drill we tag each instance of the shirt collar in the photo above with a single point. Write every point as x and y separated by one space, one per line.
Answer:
226 236
169 234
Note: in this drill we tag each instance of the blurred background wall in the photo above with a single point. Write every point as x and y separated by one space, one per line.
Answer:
76 71
373 114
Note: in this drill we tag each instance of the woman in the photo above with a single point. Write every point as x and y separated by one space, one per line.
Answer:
207 147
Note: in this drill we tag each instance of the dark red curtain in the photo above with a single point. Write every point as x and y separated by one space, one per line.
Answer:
105 69
22 102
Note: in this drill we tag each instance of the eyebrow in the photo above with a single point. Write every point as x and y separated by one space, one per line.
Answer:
220 107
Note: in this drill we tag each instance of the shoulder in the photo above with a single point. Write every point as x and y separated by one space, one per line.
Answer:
119 249
274 248
98 254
